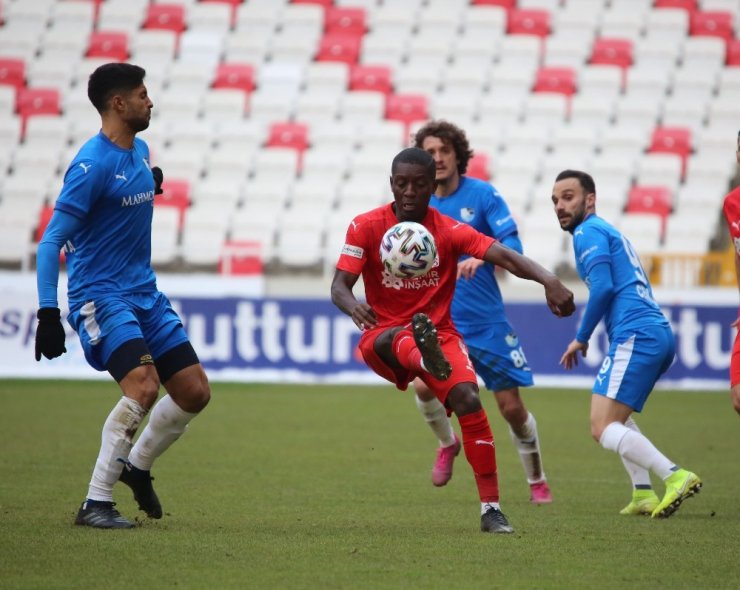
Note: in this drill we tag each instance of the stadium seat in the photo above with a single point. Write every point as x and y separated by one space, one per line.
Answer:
672 140
733 53
241 258
375 78
43 220
339 47
363 105
203 234
176 193
200 46
330 76
235 75
687 5
660 169
341 19
529 22
612 51
321 3
557 80
508 4
165 235
154 44
168 17
478 166
276 162
406 108
712 24
37 101
111 44
650 199
289 135
211 16
124 16
13 72
643 230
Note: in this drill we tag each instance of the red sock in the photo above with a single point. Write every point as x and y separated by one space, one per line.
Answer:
406 351
481 453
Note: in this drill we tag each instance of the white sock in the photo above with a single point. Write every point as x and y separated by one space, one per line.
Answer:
635 447
166 424
436 416
529 450
116 440
484 506
639 475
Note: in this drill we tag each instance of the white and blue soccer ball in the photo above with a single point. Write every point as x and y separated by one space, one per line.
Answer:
408 250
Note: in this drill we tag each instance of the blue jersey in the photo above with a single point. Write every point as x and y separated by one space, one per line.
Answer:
478 300
632 306
111 190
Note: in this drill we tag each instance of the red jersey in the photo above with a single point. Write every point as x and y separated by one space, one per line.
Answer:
396 300
731 209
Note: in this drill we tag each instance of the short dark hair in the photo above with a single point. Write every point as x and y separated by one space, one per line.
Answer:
416 156
451 134
111 78
584 179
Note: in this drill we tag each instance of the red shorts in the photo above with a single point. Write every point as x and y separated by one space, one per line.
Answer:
735 362
454 350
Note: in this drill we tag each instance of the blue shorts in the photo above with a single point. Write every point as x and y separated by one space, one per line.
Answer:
497 356
107 322
633 365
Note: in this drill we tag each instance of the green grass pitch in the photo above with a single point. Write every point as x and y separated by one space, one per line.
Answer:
287 486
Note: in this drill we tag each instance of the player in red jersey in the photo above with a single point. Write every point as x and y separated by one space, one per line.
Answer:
407 330
731 210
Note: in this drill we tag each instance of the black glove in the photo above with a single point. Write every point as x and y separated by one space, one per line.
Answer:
49 333
158 178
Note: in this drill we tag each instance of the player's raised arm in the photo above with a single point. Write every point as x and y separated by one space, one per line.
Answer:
343 297
559 297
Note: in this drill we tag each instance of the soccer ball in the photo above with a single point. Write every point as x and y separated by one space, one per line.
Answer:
407 250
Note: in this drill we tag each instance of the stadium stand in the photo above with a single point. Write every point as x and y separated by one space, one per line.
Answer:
256 99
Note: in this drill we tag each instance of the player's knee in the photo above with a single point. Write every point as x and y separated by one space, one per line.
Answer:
463 399
194 394
597 429
143 386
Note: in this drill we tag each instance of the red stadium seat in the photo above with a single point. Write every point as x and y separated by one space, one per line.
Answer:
37 101
712 24
111 44
479 167
44 217
324 3
733 53
406 108
339 47
616 52
650 199
43 220
292 135
170 17
378 78
553 79
529 22
13 72
672 140
241 258
235 75
689 5
351 21
176 193
508 4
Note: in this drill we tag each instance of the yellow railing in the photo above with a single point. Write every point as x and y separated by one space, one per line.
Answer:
691 270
